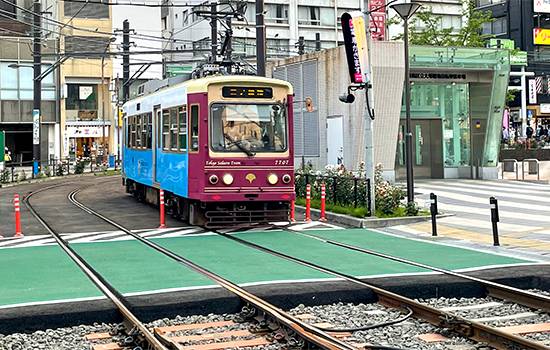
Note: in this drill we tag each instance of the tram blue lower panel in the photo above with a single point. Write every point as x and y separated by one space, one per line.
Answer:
171 172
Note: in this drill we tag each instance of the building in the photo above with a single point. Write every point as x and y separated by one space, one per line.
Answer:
518 20
85 108
16 84
457 99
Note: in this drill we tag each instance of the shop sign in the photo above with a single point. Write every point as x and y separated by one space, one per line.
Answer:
544 108
541 6
518 58
84 92
35 127
86 131
541 36
532 92
355 42
377 24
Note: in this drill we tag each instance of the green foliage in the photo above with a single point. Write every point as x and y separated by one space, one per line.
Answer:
387 196
425 28
47 171
510 96
411 209
360 212
5 176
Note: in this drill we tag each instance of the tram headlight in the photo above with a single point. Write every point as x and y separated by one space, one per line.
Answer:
286 178
272 179
213 179
227 179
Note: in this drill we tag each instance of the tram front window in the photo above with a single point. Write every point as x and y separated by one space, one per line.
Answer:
248 128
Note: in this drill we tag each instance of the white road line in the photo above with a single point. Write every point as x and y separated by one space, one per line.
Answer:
95 238
495 193
485 186
485 224
22 239
503 214
483 200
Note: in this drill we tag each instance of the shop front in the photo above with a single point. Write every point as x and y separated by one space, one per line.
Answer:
84 140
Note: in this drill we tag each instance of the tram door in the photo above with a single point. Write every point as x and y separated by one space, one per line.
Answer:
157 132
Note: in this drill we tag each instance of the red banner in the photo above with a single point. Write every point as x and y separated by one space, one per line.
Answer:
377 20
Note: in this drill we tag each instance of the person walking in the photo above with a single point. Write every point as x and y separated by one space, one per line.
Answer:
505 135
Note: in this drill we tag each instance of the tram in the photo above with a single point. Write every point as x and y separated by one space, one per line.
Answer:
221 148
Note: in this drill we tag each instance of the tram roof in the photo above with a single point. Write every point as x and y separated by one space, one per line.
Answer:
201 85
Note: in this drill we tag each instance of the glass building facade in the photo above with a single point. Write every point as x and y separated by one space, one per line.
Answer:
457 101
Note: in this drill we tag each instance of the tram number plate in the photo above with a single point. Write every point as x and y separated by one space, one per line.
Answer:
247 92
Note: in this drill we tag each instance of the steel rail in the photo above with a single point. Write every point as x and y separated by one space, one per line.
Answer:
497 290
304 330
105 288
467 328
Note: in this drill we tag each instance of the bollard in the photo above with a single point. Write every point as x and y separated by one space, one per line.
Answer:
292 210
18 232
323 208
494 219
433 211
161 204
308 203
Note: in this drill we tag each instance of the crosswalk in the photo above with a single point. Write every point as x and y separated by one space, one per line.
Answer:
111 236
524 210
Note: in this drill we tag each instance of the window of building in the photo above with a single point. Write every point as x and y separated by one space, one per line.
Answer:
481 3
498 27
309 15
94 45
327 16
91 9
194 128
276 13
244 46
163 23
81 97
185 18
278 47
451 22
203 44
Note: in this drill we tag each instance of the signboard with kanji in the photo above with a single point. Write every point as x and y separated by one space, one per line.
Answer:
355 42
377 23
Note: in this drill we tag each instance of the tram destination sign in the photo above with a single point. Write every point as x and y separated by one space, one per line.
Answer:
247 92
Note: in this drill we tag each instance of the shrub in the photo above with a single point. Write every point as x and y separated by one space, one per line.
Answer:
79 167
411 209
5 176
387 196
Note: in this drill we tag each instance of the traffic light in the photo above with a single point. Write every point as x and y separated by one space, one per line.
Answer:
309 104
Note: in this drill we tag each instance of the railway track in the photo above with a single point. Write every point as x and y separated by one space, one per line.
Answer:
270 318
468 328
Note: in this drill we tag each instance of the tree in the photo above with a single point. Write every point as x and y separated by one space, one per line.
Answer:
425 28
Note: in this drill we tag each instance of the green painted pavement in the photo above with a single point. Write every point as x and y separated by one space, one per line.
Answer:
438 255
43 273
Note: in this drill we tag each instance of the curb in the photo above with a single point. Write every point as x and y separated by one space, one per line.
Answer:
46 179
368 223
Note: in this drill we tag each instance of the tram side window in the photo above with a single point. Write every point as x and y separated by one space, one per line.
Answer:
166 129
174 129
132 132
182 134
138 131
144 126
194 128
149 130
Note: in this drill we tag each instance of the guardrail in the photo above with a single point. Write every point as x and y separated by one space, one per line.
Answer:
516 167
530 161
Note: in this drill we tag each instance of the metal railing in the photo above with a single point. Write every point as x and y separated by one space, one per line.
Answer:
530 161
341 190
508 161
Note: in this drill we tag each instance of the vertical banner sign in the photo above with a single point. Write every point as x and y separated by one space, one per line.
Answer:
35 127
532 92
377 24
355 41
541 6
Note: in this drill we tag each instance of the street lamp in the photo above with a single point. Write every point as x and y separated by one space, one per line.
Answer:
405 11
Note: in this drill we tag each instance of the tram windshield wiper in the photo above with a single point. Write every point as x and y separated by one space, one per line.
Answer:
239 145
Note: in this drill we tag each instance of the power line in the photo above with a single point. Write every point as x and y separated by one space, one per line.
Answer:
116 3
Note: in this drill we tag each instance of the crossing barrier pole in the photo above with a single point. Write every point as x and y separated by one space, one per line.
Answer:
161 204
323 208
433 211
17 208
308 203
494 219
292 210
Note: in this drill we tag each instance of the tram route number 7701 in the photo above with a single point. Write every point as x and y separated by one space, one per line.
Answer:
282 162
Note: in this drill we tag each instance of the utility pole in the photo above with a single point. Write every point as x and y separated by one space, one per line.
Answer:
214 31
228 43
368 130
125 60
37 85
260 39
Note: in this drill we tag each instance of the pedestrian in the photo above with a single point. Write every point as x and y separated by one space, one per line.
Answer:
529 131
505 135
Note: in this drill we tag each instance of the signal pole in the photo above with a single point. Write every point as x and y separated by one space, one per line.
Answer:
214 31
37 86
301 45
125 60
260 39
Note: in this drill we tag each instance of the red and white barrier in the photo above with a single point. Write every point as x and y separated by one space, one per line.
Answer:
17 208
161 204
308 203
292 211
323 209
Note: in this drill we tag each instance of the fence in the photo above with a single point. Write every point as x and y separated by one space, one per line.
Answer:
341 190
21 171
